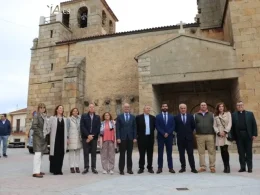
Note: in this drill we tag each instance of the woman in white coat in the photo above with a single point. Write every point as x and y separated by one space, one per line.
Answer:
57 128
222 126
74 140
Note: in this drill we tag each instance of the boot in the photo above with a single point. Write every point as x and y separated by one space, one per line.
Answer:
225 169
72 170
228 169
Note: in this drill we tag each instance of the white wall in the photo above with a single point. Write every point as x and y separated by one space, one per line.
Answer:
22 118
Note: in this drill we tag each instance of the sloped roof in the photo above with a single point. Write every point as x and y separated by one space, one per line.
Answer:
24 110
178 36
117 34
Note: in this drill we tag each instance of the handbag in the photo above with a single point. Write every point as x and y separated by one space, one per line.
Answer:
229 137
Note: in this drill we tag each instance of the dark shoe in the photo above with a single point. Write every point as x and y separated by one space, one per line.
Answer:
242 170
159 171
77 170
182 170
72 170
85 171
41 173
171 171
194 171
60 173
250 170
37 175
122 173
130 172
94 171
150 171
5 156
225 169
228 169
140 171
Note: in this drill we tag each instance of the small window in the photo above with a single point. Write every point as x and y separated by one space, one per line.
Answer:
104 18
53 85
51 66
111 27
51 33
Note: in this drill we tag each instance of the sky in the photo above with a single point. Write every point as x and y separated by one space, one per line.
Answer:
19 20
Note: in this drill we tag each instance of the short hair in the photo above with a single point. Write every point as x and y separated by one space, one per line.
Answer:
146 105
217 108
91 104
103 117
126 104
239 102
4 115
55 111
71 112
41 105
164 103
203 103
182 104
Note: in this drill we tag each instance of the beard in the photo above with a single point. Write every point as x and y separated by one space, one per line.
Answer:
165 110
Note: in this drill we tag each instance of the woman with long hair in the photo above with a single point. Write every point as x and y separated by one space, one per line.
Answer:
107 133
74 140
222 126
57 127
39 142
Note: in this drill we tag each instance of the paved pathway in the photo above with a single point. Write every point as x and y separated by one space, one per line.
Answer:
16 179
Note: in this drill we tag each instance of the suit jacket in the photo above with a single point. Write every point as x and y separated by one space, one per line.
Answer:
250 124
125 130
141 126
163 128
85 125
184 131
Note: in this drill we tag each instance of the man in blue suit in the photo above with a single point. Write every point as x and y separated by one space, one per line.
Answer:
185 126
165 126
126 136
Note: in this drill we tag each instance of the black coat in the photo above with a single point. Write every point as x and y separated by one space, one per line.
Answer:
85 125
250 124
184 131
141 126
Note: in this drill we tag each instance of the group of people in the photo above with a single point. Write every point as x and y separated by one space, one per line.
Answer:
76 132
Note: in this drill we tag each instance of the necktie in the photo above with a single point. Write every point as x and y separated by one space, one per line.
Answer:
164 118
183 118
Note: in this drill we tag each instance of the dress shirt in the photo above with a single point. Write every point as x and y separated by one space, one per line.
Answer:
147 124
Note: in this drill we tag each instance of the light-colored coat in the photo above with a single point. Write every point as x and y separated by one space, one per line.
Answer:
218 127
74 135
51 129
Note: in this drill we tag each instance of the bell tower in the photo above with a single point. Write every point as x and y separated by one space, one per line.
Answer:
88 17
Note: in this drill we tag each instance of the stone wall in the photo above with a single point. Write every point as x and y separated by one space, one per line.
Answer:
245 19
73 90
211 13
111 70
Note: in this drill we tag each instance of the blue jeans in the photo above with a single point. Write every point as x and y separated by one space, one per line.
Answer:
4 139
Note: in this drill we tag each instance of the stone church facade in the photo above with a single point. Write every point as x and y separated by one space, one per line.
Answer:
76 60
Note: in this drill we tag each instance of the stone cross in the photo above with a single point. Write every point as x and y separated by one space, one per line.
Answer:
181 31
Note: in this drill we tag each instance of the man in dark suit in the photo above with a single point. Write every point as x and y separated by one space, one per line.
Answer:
126 136
184 128
244 131
165 126
145 124
90 128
